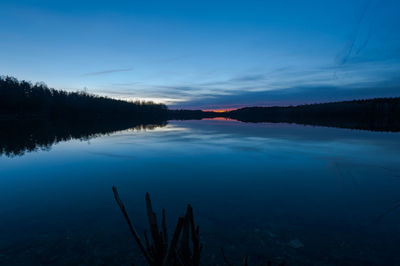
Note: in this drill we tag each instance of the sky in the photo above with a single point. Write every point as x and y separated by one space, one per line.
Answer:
206 54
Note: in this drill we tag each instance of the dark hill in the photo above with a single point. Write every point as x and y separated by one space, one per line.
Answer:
382 114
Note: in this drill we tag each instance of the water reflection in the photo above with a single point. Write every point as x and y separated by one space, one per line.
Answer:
310 195
20 136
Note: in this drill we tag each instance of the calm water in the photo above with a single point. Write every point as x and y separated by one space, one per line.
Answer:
309 195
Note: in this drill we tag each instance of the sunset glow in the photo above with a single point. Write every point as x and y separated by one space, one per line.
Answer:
220 110
221 119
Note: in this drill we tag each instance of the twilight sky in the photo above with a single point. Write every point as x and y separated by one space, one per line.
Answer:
206 54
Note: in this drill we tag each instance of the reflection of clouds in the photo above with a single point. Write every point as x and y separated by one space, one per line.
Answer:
232 133
247 148
278 140
348 163
112 155
169 128
148 128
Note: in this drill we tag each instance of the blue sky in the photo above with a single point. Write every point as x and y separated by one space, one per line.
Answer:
206 54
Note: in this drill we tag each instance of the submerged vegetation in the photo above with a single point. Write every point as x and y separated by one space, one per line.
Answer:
183 249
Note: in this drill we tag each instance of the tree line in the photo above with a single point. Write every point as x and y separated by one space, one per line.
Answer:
380 114
24 99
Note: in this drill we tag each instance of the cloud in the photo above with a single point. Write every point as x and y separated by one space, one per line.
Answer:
344 56
113 155
105 72
248 78
126 84
361 77
295 95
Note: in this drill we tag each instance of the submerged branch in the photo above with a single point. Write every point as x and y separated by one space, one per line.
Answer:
184 248
157 250
131 228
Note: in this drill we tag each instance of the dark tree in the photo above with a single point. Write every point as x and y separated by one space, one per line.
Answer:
23 99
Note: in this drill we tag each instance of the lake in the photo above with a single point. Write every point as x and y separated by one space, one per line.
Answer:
303 194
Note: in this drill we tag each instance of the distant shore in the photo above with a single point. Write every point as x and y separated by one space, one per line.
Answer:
21 100
378 114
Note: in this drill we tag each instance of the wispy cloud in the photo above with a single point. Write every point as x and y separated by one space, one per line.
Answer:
295 95
362 77
248 78
344 56
105 72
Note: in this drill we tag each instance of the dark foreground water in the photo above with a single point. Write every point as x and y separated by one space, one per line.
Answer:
306 195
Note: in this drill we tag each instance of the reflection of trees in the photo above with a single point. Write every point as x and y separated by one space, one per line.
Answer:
20 136
379 114
36 117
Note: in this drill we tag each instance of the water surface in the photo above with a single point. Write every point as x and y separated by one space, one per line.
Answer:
308 195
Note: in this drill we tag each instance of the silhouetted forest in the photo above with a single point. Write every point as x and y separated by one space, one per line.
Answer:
190 114
36 117
24 99
18 136
379 114
34 108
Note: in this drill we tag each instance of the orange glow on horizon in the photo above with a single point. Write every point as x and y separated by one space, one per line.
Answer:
220 110
220 119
